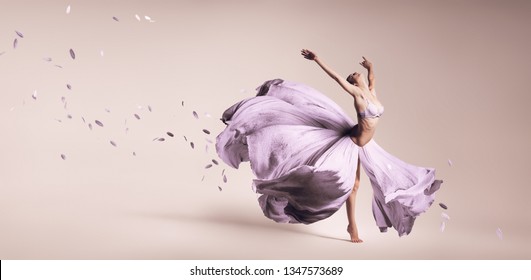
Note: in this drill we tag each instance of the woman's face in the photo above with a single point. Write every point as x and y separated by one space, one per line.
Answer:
355 78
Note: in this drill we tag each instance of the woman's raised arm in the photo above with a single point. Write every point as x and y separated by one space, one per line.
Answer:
351 89
368 65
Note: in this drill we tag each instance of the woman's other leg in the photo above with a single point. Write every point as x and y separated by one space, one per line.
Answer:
351 207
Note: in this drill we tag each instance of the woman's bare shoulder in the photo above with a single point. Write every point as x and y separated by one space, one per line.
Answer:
354 91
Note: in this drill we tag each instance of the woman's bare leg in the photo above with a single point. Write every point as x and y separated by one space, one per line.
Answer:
351 206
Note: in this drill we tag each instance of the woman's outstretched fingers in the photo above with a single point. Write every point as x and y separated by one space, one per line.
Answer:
366 63
308 54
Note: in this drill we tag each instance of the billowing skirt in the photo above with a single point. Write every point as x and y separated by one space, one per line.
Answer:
298 145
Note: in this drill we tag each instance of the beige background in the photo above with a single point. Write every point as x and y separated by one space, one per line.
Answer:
453 77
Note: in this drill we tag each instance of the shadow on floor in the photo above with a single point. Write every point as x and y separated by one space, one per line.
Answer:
235 219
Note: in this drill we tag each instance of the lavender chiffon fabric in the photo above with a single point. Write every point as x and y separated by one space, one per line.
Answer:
298 145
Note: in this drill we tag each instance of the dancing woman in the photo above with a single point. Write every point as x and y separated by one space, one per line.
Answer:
368 109
306 154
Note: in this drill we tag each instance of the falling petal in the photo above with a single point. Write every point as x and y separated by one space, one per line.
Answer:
149 108
101 52
99 123
443 225
499 233
148 18
15 43
443 206
206 148
115 18
161 139
206 131
68 9
58 66
192 144
58 120
112 143
48 59
169 134
208 166
209 141
203 178
185 138
126 129
63 99
134 154
34 95
215 162
208 115
63 156
65 105
449 162
182 103
19 34
1 53
220 189
155 139
72 54
69 116
195 115
137 17
224 178
68 86
83 119
107 110
137 116
445 216
223 172
90 126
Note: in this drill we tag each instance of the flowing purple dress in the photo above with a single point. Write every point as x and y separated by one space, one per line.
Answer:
298 145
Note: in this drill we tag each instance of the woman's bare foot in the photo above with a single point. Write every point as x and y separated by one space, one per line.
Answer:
353 231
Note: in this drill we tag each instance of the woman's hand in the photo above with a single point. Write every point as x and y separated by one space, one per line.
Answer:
308 54
366 63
